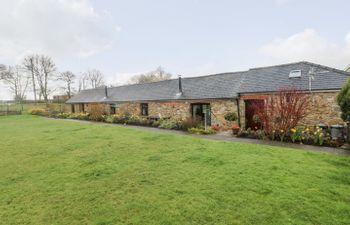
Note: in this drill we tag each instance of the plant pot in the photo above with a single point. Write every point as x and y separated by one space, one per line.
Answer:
235 129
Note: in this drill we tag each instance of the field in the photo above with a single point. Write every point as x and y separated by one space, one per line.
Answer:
24 108
63 172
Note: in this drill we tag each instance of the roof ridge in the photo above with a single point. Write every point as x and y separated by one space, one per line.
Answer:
305 62
217 74
194 77
283 64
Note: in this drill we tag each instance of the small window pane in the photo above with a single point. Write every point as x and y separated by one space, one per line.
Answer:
144 109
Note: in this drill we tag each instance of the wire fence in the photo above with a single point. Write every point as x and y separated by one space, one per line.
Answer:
12 108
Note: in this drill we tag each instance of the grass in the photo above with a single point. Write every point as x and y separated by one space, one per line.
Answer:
63 172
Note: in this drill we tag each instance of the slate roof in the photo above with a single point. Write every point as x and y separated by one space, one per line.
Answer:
222 86
205 87
273 78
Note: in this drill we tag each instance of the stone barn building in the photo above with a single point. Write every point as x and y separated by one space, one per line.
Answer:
211 97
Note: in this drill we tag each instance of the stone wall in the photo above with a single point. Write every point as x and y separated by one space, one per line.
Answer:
323 109
181 110
177 110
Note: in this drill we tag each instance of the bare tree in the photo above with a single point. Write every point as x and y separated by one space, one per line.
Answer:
68 78
82 82
46 71
31 64
94 77
158 74
17 81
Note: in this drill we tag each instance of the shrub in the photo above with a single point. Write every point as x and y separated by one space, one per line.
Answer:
110 119
156 123
295 135
132 120
318 136
215 127
195 130
38 112
190 123
83 116
63 115
232 116
170 124
343 100
73 116
282 111
96 112
145 122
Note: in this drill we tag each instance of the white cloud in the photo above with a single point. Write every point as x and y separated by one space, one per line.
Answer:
60 28
310 46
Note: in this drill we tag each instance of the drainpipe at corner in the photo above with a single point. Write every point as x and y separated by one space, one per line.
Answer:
238 110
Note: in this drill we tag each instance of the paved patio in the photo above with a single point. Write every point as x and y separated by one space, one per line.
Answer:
222 137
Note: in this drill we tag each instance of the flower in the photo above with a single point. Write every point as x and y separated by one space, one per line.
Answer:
293 130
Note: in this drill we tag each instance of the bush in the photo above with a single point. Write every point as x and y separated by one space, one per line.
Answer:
215 127
38 112
96 112
191 123
78 116
132 120
63 115
232 116
170 124
157 123
343 100
282 111
195 130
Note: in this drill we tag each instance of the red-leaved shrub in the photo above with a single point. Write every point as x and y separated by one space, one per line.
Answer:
283 111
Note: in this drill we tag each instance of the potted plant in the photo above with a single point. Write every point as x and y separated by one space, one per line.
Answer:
235 128
232 117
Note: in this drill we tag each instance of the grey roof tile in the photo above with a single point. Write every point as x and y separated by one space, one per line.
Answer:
205 87
226 85
273 78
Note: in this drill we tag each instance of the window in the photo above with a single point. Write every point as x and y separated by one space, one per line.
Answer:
73 109
113 106
144 109
81 108
201 112
295 73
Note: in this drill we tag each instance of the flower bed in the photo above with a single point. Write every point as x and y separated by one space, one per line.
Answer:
189 125
315 136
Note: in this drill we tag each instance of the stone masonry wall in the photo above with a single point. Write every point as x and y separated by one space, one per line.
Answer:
323 109
177 110
181 110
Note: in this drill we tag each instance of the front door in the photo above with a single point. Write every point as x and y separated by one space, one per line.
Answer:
250 108
201 112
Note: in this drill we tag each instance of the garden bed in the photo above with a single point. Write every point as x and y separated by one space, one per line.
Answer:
190 125
308 136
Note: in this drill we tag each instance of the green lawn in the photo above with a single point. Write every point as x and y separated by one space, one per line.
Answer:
62 172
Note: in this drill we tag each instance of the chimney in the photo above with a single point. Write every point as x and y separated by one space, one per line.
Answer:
180 85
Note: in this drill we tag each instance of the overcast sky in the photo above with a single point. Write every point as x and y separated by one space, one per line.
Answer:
188 37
